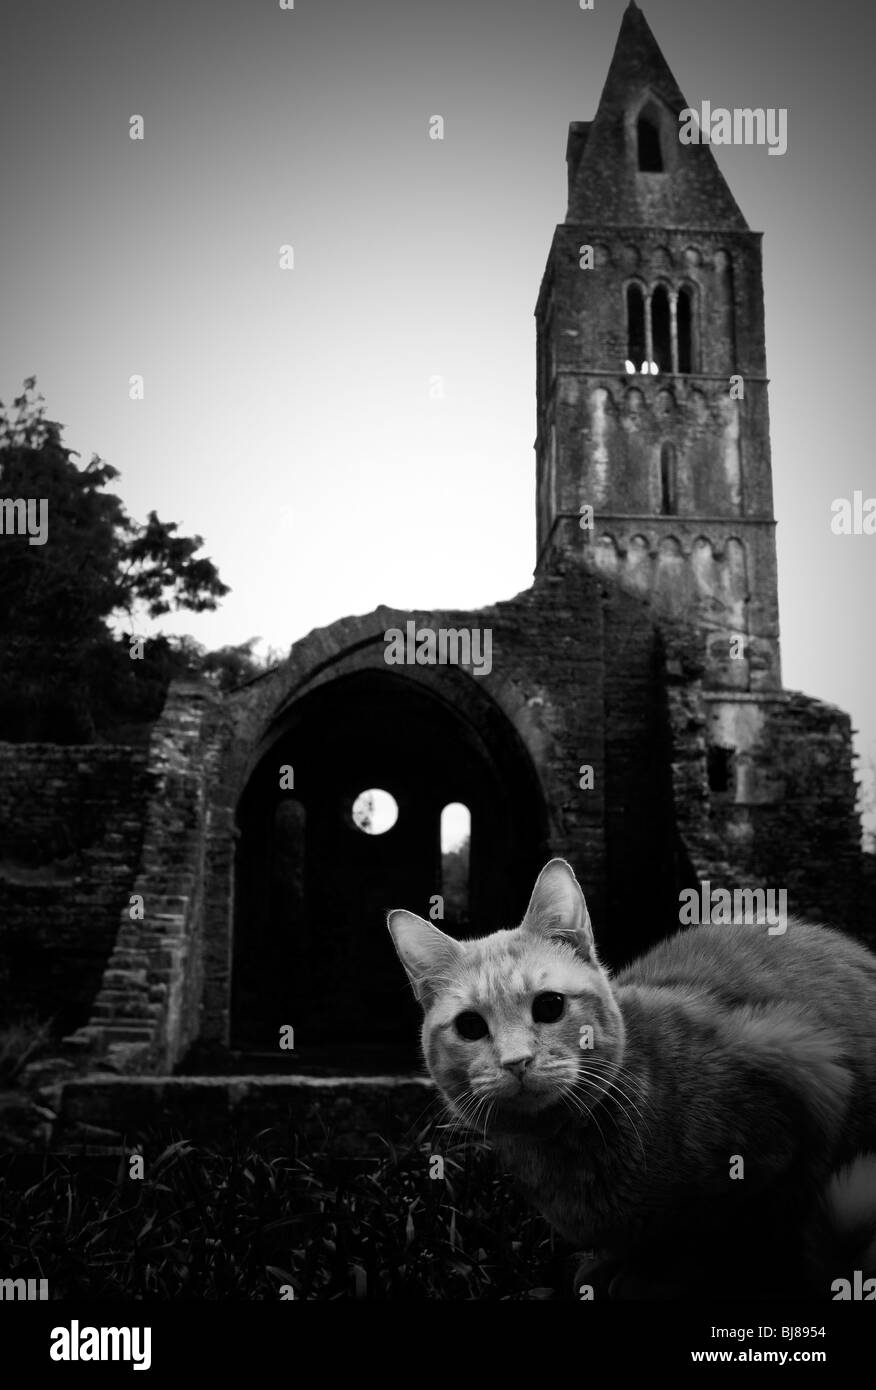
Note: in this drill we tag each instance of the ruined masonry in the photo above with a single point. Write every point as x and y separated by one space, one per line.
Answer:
647 649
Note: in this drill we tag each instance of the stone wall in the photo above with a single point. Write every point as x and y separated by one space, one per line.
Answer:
148 1009
787 818
807 839
71 826
343 1113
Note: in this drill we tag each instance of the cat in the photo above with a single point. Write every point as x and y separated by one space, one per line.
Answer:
704 1122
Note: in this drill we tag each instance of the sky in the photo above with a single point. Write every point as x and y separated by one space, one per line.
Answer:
287 414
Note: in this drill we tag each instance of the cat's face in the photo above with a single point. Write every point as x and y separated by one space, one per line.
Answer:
522 1020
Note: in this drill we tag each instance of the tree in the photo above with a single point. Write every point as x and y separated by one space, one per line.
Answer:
226 668
62 671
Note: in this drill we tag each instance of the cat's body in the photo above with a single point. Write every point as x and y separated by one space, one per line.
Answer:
685 1117
735 1046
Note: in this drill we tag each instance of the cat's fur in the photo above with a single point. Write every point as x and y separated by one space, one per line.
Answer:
722 1043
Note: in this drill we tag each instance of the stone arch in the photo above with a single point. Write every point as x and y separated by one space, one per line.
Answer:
629 257
661 301
310 946
660 259
635 301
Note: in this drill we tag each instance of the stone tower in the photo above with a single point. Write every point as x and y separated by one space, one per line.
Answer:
652 388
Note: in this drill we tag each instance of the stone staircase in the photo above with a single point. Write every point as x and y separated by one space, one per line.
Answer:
102 1114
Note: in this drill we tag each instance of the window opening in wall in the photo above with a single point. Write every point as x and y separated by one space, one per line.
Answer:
684 326
636 342
455 862
720 768
668 495
374 811
661 329
648 139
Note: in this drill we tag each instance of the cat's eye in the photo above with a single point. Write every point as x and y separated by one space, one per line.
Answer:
547 1008
471 1026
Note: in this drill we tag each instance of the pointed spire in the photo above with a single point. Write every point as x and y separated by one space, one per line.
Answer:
605 182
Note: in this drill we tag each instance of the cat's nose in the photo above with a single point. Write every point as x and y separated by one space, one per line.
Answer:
517 1065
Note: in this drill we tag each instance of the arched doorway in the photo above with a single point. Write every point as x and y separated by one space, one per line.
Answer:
311 948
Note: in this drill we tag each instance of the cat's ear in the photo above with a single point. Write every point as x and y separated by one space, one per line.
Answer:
557 910
425 952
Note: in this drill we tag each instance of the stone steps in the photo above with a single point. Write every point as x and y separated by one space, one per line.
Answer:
112 1112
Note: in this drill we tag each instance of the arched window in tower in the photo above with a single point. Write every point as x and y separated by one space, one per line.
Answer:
648 140
668 481
636 345
684 329
661 329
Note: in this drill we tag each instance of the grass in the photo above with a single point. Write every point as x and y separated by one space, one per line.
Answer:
243 1224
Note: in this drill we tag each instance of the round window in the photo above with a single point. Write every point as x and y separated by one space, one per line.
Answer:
375 811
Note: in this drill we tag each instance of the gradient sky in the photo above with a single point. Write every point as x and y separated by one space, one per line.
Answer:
287 415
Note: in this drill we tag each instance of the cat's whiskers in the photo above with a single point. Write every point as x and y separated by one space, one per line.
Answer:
625 1106
577 1107
457 1113
589 1102
608 1092
468 1109
483 1110
611 1080
589 1112
635 1083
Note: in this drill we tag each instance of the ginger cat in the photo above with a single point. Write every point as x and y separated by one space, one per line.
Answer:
697 1122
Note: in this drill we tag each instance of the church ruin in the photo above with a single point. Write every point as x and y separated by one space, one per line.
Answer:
633 719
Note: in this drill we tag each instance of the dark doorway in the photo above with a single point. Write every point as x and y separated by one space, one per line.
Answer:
315 879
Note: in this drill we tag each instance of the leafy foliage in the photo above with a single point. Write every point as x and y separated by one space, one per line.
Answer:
61 667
